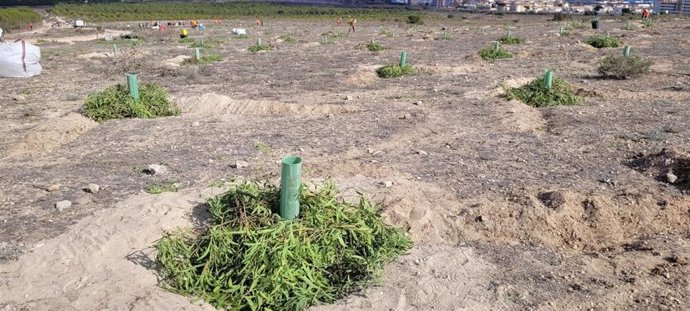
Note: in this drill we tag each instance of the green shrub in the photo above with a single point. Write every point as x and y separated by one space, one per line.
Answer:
187 40
247 258
259 47
622 67
158 188
115 103
415 19
205 59
240 36
510 39
394 71
537 95
375 46
491 53
648 23
603 42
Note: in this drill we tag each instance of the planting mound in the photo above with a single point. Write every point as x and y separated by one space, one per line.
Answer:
537 95
115 102
248 259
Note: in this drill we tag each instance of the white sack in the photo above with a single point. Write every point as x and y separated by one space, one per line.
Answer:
239 31
19 59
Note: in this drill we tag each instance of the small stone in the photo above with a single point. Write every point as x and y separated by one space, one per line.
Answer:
387 184
417 103
348 97
155 169
19 98
330 116
196 123
422 152
240 164
405 116
671 177
93 188
62 205
54 188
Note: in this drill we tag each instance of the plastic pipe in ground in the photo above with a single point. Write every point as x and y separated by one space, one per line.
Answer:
197 54
290 183
133 86
403 58
626 51
548 79
497 46
114 50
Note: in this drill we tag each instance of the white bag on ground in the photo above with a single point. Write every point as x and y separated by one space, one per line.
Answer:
19 59
239 31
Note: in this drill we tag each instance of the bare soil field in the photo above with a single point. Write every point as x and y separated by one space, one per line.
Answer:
510 207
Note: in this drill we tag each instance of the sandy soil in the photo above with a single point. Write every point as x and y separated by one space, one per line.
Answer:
510 207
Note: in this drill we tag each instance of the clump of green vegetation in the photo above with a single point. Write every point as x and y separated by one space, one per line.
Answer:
333 34
247 258
648 23
257 47
623 67
205 59
491 53
603 42
287 38
394 71
373 46
415 19
187 40
537 95
17 17
263 147
240 36
443 36
158 188
510 39
115 102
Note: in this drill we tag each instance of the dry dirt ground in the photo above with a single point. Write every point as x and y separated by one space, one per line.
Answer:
510 207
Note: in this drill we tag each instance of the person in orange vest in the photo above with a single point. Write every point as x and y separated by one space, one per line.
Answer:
338 20
645 14
31 26
193 23
259 22
352 22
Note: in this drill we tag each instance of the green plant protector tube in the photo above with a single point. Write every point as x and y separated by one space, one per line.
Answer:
258 41
626 51
133 85
197 54
497 46
561 31
290 183
508 33
114 50
548 79
607 34
403 58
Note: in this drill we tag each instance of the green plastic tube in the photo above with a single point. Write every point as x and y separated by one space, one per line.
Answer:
548 79
114 50
290 183
497 46
197 54
133 85
403 58
626 51
561 31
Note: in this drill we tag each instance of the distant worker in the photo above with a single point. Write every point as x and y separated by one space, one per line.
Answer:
194 23
352 22
31 26
184 33
645 14
338 20
259 22
201 27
